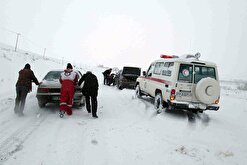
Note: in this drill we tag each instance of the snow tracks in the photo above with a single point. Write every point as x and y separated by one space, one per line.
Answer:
15 130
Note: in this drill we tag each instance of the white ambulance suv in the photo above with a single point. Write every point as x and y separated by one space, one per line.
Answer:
181 83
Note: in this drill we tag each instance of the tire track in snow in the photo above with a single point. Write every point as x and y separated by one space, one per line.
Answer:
14 142
6 104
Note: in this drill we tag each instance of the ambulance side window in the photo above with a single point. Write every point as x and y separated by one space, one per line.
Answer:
150 70
167 69
158 68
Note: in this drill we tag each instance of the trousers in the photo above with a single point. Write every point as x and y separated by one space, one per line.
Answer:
66 99
21 94
93 105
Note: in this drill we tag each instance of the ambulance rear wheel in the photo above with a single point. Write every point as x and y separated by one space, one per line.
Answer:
158 103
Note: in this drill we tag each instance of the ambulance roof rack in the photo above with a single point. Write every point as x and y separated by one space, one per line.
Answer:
196 56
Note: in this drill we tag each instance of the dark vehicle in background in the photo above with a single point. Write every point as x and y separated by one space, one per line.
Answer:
49 89
126 78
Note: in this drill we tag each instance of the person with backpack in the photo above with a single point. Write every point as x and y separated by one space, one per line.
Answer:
23 87
90 91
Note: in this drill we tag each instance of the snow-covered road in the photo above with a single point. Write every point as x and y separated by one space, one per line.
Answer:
128 131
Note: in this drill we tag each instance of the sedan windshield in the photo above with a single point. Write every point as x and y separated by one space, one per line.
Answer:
53 75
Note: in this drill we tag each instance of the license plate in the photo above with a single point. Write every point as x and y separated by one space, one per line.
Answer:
183 93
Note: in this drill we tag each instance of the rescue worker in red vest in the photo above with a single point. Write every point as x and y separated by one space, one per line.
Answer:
69 80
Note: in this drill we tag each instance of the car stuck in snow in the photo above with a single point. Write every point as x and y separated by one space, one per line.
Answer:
49 89
126 77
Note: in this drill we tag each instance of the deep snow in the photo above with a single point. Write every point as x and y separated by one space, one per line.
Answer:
128 131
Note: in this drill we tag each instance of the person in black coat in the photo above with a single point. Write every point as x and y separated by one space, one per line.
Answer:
90 91
106 74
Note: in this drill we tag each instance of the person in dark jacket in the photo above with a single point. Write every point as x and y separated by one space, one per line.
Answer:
90 91
106 75
23 86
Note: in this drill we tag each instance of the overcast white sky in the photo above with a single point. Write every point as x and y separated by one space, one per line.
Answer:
130 32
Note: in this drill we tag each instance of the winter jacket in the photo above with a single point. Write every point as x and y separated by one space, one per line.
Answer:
91 86
106 72
26 77
68 78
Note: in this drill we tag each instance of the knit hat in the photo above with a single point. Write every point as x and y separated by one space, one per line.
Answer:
69 66
27 66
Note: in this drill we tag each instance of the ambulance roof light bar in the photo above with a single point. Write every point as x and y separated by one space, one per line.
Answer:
168 56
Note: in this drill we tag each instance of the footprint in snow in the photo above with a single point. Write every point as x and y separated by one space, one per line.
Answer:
95 142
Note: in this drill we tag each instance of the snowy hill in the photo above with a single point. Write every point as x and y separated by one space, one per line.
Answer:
127 132
12 62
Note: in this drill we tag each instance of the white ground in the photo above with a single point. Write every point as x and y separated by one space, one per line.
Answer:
127 132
